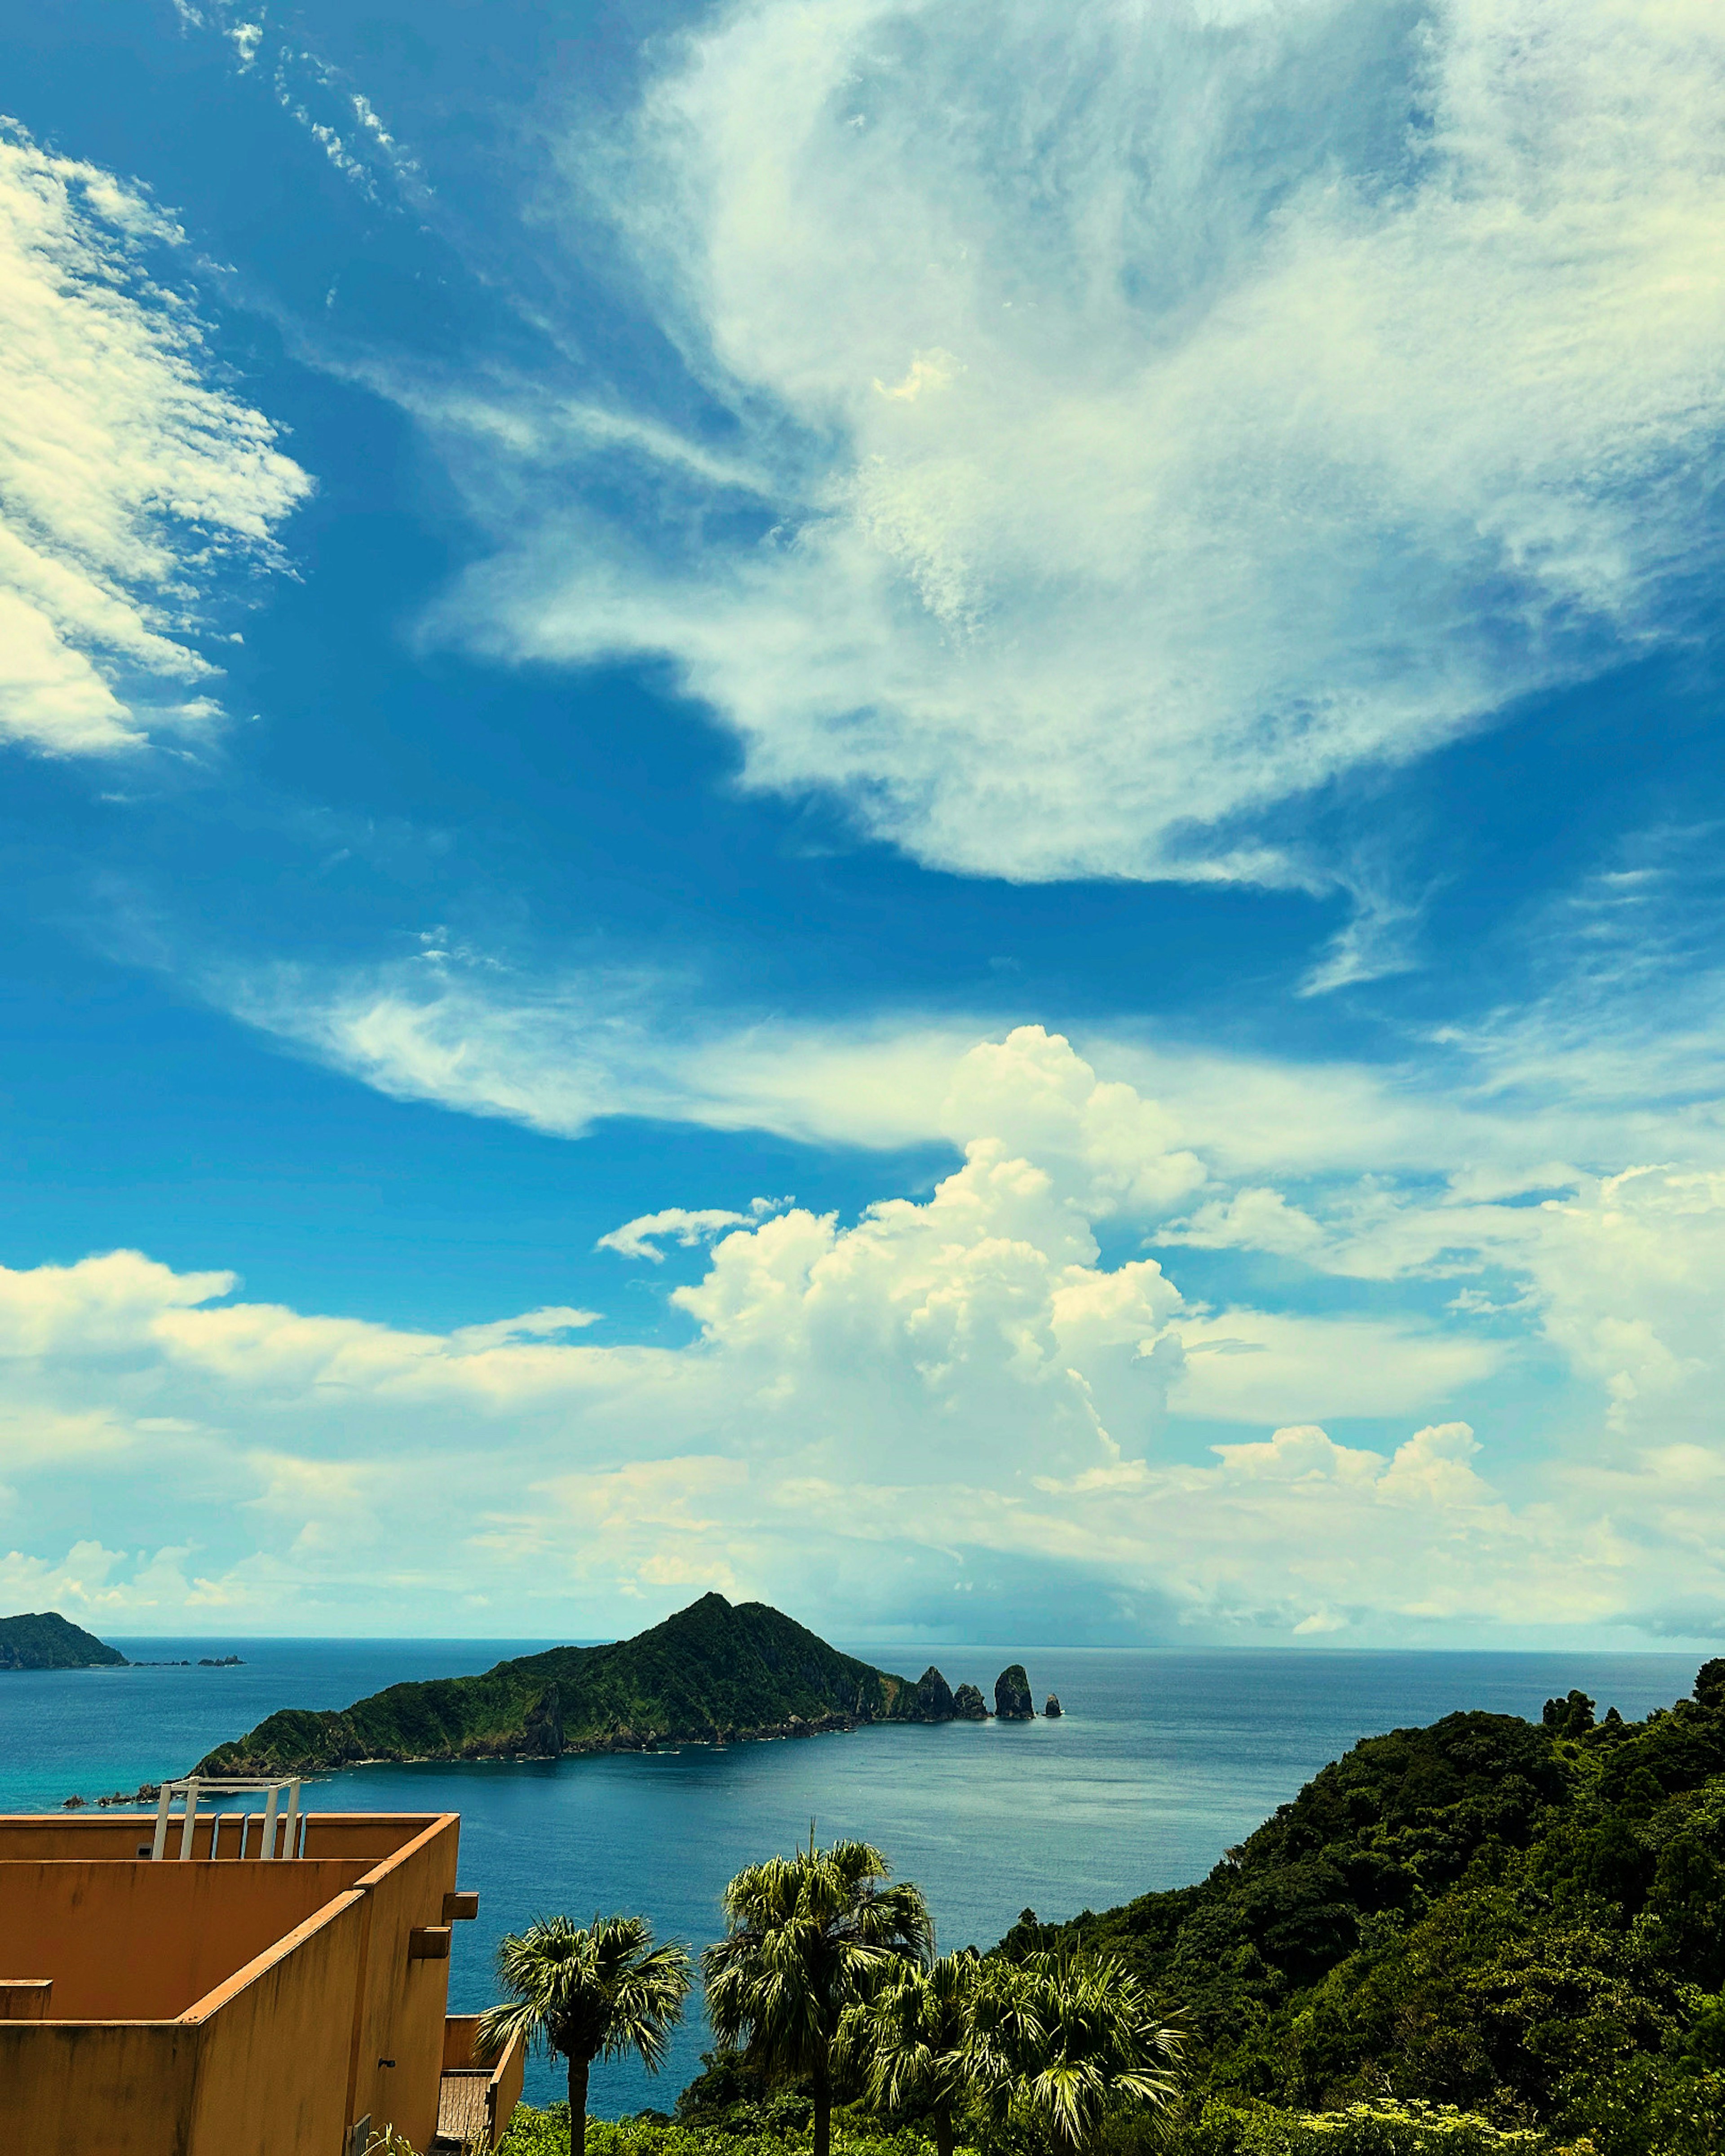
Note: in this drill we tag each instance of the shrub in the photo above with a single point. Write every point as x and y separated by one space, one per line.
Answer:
1360 2129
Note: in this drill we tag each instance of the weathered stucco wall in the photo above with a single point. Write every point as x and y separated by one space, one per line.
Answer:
97 2089
272 2066
403 2001
145 1942
119 1836
292 1982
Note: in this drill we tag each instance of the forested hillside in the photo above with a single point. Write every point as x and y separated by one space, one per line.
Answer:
44 1640
712 1673
1527 1920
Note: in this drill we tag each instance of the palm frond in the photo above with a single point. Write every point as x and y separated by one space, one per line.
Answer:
806 1938
586 1992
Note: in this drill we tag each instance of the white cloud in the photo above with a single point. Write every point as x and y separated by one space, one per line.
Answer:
945 1390
1253 1218
640 1238
1140 416
557 1055
1250 1366
128 475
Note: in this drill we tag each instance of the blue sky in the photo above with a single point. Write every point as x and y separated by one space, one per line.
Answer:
910 808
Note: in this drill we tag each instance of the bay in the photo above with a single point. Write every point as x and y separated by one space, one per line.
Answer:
1163 1758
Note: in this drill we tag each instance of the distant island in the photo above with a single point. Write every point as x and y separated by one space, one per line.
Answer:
713 1674
46 1641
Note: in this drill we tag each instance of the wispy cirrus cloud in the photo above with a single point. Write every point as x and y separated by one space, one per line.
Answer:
1138 419
130 475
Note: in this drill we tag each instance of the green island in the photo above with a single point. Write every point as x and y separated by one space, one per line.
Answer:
45 1640
712 1674
1486 1937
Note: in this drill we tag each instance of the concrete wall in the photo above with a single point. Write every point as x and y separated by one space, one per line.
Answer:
273 2066
403 2002
507 2076
142 1942
291 1982
99 2089
117 1837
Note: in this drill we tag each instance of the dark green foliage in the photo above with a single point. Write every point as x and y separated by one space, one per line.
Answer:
712 1673
48 1641
734 2094
1572 1716
1213 2129
1526 1922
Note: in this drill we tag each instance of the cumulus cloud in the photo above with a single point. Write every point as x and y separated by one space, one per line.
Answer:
940 1392
1136 418
128 474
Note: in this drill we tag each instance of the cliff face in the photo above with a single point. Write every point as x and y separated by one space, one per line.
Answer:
46 1641
712 1674
934 1697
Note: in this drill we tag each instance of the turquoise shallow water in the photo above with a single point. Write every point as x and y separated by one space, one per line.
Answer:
1163 1758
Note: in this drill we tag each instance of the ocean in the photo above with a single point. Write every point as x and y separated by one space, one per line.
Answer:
1163 1760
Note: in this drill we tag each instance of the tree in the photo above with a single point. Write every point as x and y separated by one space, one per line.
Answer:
806 1938
1071 2037
583 1996
911 2040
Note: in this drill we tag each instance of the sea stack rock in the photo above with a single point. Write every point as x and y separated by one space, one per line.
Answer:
934 1697
968 1705
1012 1695
1052 1711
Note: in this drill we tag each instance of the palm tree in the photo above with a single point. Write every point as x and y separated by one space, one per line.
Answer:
807 1937
911 2039
1069 2035
587 1995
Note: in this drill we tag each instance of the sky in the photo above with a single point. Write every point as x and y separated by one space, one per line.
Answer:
912 808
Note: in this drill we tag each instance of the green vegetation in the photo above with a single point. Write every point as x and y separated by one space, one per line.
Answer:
47 1641
586 1994
711 1674
807 1939
1069 2041
1488 1937
1525 1921
908 2043
1216 2129
536 2133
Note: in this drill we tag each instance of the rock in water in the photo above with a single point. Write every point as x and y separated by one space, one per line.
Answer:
968 1705
1012 1695
1053 1709
934 1697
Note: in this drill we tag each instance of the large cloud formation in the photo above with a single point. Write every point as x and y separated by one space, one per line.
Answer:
128 475
1134 417
950 1395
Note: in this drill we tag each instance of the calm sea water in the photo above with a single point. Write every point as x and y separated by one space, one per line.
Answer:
1163 1760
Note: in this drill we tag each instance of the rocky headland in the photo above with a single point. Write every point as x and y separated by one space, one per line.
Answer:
45 1640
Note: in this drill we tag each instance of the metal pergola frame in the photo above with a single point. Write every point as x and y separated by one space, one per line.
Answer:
195 1787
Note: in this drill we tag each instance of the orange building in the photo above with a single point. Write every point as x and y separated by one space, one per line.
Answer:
230 2005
